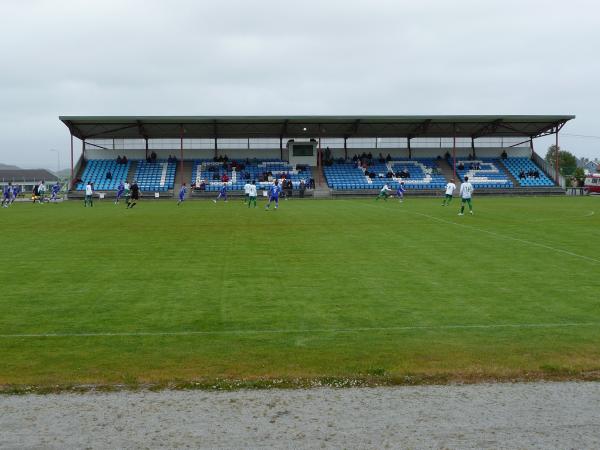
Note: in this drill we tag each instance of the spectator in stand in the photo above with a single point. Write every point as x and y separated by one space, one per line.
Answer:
388 158
311 183
461 166
109 175
504 154
354 158
153 156
302 188
381 158
119 160
522 174
124 160
224 178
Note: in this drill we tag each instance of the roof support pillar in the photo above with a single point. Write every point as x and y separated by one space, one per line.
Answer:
83 148
146 139
181 131
216 148
281 148
531 147
557 167
319 155
473 147
346 148
454 151
409 148
72 167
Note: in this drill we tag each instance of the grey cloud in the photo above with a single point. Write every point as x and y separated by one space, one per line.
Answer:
287 57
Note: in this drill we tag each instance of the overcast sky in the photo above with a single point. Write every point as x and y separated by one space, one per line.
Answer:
220 57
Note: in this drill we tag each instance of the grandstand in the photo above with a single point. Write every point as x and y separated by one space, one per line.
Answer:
495 152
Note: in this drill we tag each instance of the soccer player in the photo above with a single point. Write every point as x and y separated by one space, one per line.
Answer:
89 195
222 193
384 192
450 188
247 188
55 190
274 192
182 193
135 195
120 192
16 192
252 194
8 194
127 192
466 192
41 192
34 193
400 191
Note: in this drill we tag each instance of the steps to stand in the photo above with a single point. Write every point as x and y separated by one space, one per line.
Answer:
188 166
321 188
446 170
515 182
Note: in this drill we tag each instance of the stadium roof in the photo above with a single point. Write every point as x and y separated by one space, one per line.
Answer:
19 175
242 127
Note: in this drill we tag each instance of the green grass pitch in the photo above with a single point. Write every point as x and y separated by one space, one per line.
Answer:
343 288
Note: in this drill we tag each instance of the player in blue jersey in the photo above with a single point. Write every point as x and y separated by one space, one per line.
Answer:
400 191
55 190
182 193
222 193
7 195
274 192
16 192
120 192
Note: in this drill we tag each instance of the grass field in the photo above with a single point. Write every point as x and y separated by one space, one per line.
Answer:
318 289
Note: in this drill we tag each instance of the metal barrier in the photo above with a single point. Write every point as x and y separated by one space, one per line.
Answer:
576 191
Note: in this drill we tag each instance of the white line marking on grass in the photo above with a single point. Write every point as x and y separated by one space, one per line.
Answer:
314 330
591 213
503 236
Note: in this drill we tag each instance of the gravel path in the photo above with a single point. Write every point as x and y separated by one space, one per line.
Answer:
533 415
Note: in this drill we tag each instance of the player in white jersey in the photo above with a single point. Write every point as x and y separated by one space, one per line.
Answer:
450 188
466 193
384 193
247 188
252 194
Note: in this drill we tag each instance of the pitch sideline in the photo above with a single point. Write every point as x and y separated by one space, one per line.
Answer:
297 331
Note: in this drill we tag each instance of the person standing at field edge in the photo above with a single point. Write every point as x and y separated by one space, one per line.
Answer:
89 195
450 188
466 192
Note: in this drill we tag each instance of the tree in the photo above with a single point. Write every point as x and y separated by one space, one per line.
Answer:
579 175
567 160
